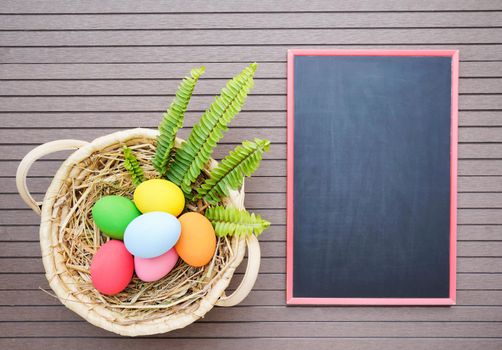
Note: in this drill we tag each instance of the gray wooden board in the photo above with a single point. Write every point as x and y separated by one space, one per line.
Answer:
167 21
51 87
220 53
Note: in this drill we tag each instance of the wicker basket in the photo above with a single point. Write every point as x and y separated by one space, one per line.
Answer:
175 301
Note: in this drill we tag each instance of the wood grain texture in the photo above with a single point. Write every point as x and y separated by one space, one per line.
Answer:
223 6
218 53
156 103
128 87
84 69
127 119
174 71
250 37
271 343
168 21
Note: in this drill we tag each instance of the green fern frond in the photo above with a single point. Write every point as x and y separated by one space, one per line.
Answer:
173 120
229 221
196 151
230 172
132 165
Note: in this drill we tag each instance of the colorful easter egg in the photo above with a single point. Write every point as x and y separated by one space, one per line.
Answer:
197 242
152 234
159 195
112 214
112 268
153 269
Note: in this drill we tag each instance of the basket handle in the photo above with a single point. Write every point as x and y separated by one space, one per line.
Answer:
31 157
250 276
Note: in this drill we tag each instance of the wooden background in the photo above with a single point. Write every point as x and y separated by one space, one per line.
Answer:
84 69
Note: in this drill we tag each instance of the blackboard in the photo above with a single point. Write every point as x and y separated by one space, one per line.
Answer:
371 216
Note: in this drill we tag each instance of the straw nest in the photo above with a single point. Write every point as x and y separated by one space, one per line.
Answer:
176 300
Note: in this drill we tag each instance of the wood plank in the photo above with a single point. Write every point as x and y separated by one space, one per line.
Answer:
33 266
154 103
485 151
12 249
175 71
485 249
267 168
480 167
472 184
479 232
479 264
234 135
467 134
349 314
17 152
221 6
464 281
278 200
480 184
250 20
480 118
465 200
276 217
39 298
167 88
31 233
478 281
479 216
268 265
273 233
49 168
480 86
273 200
458 313
253 185
132 119
256 343
479 52
481 69
251 37
198 103
265 281
151 119
271 329
147 119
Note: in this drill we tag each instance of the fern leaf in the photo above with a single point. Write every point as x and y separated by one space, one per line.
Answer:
229 221
173 120
230 172
196 151
132 165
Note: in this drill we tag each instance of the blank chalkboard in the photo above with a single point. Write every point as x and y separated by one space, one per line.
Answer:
371 176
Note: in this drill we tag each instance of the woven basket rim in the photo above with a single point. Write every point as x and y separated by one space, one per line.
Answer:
95 314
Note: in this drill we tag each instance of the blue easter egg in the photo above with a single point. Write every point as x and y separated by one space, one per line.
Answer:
152 234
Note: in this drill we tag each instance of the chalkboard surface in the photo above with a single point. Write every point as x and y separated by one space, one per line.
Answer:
371 178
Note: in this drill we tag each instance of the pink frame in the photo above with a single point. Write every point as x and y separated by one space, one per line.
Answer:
451 300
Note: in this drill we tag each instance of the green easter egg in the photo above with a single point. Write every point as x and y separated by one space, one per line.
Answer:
112 214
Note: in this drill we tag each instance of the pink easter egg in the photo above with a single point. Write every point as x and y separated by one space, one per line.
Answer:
112 268
153 269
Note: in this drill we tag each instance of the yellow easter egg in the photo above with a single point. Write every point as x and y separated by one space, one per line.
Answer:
159 195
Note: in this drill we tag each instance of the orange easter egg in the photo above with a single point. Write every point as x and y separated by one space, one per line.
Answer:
197 242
